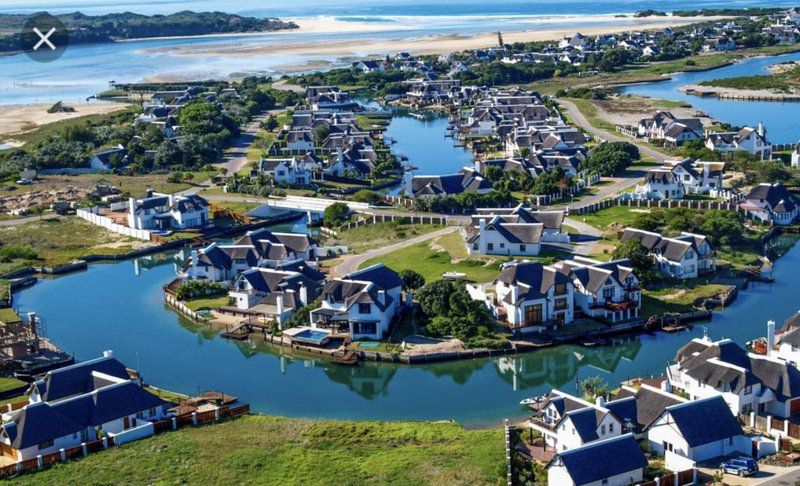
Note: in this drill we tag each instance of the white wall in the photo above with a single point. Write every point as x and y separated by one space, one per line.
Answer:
109 224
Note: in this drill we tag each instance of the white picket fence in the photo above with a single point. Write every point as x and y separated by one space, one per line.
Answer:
92 215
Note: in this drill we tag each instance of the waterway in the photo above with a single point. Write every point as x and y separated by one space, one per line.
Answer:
119 306
780 118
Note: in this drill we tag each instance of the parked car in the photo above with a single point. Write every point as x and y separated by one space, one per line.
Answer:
24 182
742 466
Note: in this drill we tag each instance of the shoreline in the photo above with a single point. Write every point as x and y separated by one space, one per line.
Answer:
18 119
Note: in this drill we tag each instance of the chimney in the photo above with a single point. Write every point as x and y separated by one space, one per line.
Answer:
761 130
382 297
666 387
600 401
194 259
303 294
482 235
280 305
770 337
149 192
108 353
131 206
514 292
408 177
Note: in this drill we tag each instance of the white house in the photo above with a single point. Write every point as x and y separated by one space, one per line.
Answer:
698 177
567 422
786 344
699 430
106 159
603 290
361 304
74 404
552 221
167 212
494 236
301 141
686 256
796 156
286 171
772 203
274 248
748 139
616 461
660 183
273 294
465 180
220 262
529 296
746 382
663 125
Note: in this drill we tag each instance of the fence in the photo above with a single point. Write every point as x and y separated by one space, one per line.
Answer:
703 205
181 308
92 215
150 428
509 456
383 218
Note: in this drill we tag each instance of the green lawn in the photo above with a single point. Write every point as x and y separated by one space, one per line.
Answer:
208 303
60 241
678 298
619 216
448 253
359 240
9 315
269 450
10 384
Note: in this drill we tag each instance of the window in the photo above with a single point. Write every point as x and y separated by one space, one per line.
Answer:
489 246
561 289
331 299
139 415
533 315
603 429
45 444
667 446
152 411
502 245
560 304
522 248
364 309
611 428
608 293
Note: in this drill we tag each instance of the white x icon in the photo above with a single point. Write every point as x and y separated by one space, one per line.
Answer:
44 38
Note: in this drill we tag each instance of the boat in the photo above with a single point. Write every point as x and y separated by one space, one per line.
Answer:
348 359
453 275
532 400
591 342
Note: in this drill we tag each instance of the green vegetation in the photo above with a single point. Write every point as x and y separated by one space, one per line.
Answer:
83 29
270 450
60 241
7 384
335 215
448 310
208 302
378 235
9 316
611 158
200 289
459 203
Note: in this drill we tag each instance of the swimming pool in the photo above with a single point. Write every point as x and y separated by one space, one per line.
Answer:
311 336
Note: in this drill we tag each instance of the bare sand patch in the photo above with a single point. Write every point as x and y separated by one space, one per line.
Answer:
16 119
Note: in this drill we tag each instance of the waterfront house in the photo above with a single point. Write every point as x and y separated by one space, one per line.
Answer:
616 461
603 290
686 256
158 211
274 249
746 382
796 156
76 404
748 139
495 236
273 294
771 203
362 304
465 180
220 262
699 430
567 422
552 221
286 171
665 126
637 408
673 180
529 296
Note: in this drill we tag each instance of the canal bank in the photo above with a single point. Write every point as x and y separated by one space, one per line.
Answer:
120 306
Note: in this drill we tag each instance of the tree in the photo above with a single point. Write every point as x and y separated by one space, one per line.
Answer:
640 259
611 158
367 196
168 154
452 312
412 281
593 387
271 124
335 215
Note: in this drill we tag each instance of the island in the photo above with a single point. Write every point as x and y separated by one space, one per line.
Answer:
85 29
782 83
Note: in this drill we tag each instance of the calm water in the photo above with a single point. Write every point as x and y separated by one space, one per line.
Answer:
425 145
780 119
86 69
119 306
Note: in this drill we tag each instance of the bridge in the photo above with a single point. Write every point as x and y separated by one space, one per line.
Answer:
312 206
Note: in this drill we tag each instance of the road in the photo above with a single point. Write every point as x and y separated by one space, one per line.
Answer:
352 262
8 223
589 235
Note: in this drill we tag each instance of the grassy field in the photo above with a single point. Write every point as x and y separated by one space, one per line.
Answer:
60 241
8 315
133 185
10 384
208 303
616 216
448 253
269 450
359 240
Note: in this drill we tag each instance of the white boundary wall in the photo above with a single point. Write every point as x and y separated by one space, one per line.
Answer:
91 216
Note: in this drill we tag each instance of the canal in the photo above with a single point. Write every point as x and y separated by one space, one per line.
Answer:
119 306
780 118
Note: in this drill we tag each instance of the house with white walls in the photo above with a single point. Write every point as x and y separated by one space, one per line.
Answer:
162 212
552 221
698 430
660 183
746 382
218 263
286 171
686 256
796 156
665 126
616 461
772 203
603 290
493 235
529 296
273 294
637 408
567 422
276 248
76 404
748 139
361 304
465 180
675 179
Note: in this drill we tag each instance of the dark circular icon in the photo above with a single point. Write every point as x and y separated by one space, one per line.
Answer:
44 38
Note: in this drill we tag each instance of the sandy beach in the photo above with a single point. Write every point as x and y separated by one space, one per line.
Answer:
431 44
16 119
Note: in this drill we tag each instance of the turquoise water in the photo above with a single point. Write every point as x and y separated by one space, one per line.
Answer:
780 119
120 307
